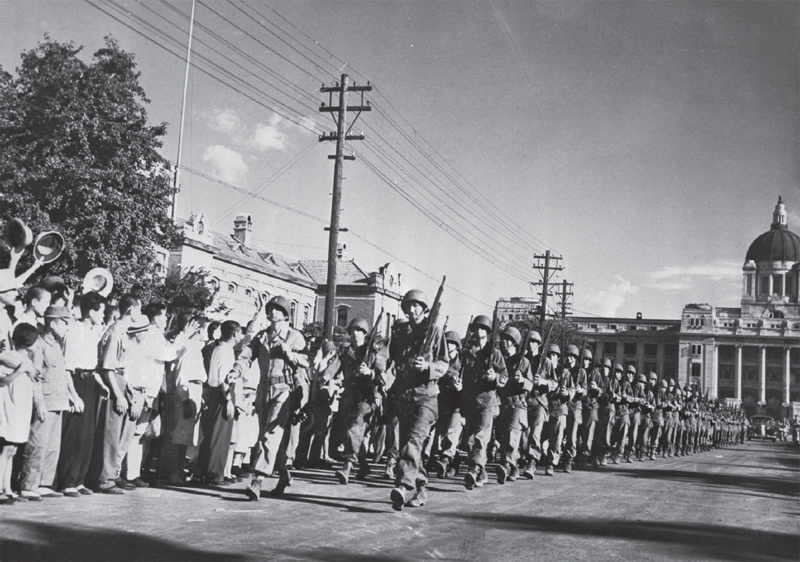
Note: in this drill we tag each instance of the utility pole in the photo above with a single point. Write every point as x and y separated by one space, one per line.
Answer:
174 210
548 265
342 134
566 292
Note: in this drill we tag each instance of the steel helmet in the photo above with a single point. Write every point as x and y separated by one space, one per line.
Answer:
553 348
414 295
513 334
482 321
630 369
618 367
281 303
587 355
535 336
641 378
664 383
358 324
451 336
572 350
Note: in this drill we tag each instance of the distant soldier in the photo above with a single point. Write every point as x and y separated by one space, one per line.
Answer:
513 419
596 385
623 396
484 372
559 400
660 401
450 422
578 385
544 382
415 391
670 420
360 367
606 413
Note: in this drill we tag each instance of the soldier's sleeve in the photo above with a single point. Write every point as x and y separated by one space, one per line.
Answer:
527 374
499 367
438 367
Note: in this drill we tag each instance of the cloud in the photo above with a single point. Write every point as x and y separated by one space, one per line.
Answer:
269 137
228 165
226 121
607 301
711 271
681 284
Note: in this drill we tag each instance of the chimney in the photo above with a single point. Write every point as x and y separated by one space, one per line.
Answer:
341 252
243 229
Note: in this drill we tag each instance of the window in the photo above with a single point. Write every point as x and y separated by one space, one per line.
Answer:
341 317
764 288
671 350
649 368
749 285
777 285
727 352
293 314
726 372
612 326
697 349
696 370
650 349
633 327
593 326
306 315
248 292
630 349
653 328
776 314
232 288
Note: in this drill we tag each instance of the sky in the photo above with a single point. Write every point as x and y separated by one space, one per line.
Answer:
644 142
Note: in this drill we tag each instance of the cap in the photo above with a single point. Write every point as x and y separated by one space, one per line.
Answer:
327 347
57 312
139 323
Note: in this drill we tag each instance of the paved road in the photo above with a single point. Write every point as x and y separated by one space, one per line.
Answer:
741 503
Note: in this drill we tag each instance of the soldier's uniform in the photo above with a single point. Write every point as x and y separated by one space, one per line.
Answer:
545 381
450 423
559 399
596 386
657 415
479 403
513 419
415 393
360 397
578 384
607 404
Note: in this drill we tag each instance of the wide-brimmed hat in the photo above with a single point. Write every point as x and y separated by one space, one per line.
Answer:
98 280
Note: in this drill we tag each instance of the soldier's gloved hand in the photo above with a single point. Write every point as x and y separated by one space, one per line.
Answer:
491 374
419 364
364 370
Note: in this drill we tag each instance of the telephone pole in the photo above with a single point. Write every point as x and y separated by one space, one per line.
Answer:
566 292
548 265
342 134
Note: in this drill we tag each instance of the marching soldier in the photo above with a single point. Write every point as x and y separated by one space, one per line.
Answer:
623 396
596 385
606 413
360 367
660 402
559 399
484 372
545 381
450 422
415 390
575 405
513 419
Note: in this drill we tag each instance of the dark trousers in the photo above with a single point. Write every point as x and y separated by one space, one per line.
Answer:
217 433
511 423
77 435
358 418
416 414
574 421
478 431
537 417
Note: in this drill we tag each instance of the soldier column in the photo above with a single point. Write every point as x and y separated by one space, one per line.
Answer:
787 395
738 394
762 374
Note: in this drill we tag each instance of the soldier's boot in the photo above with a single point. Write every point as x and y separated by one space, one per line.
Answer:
420 497
398 498
363 470
253 490
595 462
568 466
548 471
471 477
284 481
652 455
343 474
454 466
502 470
529 469
388 472
628 457
483 478
514 473
442 465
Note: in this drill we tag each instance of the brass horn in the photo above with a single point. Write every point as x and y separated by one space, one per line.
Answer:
98 280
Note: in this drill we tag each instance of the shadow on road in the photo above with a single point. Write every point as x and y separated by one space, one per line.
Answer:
54 542
717 541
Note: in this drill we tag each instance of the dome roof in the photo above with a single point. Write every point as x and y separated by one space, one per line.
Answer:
777 244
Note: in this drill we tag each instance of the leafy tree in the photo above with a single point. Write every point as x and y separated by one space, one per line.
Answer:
78 157
182 291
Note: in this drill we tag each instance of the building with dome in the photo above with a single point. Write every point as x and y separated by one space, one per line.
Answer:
748 355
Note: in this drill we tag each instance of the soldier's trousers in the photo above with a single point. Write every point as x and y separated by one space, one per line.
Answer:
538 416
588 429
272 450
478 431
449 428
633 433
667 433
574 421
619 437
655 432
643 437
391 428
358 418
603 434
312 447
416 414
555 430
511 423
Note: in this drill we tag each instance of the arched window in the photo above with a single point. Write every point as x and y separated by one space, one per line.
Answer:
232 288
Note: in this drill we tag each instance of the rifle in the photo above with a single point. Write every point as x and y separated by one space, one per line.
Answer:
495 327
373 335
430 331
545 345
460 380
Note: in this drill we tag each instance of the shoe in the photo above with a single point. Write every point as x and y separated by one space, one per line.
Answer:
71 492
604 461
483 478
7 500
85 491
363 471
420 497
529 471
442 467
139 483
125 485
49 493
230 480
568 466
514 473
284 481
502 473
471 477
253 490
343 474
548 471
113 490
388 472
398 498
628 460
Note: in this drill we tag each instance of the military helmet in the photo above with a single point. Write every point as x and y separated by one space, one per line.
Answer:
451 336
281 303
534 336
672 382
608 363
572 350
618 367
553 348
653 376
630 369
414 295
482 321
513 334
664 383
641 378
358 324
678 391
587 355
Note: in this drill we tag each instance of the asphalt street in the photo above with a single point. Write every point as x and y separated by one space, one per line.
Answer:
739 503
